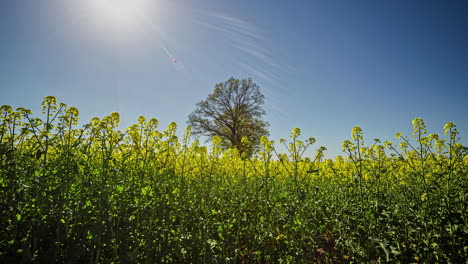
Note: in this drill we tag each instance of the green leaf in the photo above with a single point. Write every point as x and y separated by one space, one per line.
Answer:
119 189
385 249
395 250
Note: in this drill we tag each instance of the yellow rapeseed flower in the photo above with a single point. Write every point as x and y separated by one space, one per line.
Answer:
356 134
448 126
419 128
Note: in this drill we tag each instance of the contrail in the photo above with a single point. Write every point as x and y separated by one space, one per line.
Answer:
178 64
168 53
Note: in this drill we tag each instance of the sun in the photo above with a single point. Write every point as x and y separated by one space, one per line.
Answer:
118 14
119 11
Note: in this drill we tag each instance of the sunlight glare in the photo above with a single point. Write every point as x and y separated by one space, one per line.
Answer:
120 14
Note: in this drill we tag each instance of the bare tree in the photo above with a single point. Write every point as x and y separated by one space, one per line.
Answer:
233 111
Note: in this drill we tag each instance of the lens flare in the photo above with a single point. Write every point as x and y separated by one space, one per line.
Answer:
121 15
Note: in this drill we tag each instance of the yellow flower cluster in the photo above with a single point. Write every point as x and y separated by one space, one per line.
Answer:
142 146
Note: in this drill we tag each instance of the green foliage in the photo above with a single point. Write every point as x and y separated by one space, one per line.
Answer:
99 195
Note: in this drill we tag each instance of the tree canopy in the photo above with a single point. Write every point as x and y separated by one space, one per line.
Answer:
233 111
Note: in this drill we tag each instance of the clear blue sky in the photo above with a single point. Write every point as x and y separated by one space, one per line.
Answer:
324 66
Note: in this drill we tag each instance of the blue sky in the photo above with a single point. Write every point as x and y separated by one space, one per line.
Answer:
324 66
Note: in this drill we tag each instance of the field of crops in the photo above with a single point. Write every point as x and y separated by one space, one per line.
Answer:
94 194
